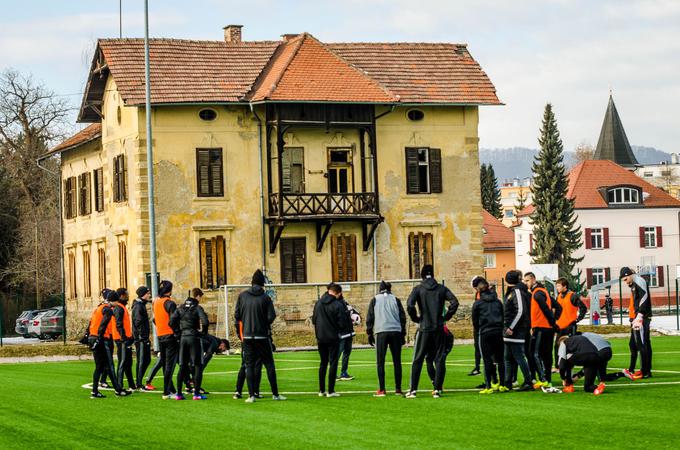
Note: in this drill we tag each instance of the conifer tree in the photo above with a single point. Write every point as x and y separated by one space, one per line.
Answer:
555 234
521 202
494 205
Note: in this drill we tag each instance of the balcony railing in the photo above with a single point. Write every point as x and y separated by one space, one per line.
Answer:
329 205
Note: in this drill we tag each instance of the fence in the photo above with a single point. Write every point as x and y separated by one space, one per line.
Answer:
14 302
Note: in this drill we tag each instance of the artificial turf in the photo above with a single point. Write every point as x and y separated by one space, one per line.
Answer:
45 405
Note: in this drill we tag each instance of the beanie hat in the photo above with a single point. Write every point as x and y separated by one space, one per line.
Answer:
142 291
122 291
112 296
476 280
164 288
626 271
258 278
385 286
512 277
427 271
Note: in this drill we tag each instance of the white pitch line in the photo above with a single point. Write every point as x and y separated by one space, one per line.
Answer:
286 369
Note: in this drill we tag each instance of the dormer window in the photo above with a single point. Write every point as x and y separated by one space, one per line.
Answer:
623 196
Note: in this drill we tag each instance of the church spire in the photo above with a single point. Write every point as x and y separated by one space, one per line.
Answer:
613 144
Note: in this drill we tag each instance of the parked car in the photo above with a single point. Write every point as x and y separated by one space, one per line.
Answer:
33 329
21 327
52 323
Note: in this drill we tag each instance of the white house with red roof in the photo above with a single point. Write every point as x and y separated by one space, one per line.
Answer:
625 221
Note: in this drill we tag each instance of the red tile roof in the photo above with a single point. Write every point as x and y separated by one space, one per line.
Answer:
297 69
588 178
88 134
496 235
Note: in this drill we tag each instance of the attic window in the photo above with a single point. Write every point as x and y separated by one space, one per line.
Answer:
207 114
415 115
623 196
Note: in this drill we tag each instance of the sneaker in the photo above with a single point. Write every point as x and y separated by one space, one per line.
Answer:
200 397
258 395
168 397
647 375
188 390
540 384
237 396
486 391
202 391
250 400
122 393
515 384
637 375
474 372
436 394
178 396
550 390
379 393
568 389
411 394
346 377
278 397
495 386
398 392
97 395
526 388
332 394
322 394
104 385
628 374
149 387
599 389
503 389
142 389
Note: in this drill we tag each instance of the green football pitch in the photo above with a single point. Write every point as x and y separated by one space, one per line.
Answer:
47 405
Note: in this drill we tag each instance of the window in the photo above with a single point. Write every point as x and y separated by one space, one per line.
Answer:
209 172
293 170
84 189
509 214
415 115
87 282
344 257
519 237
72 291
423 170
420 252
70 198
648 174
213 262
654 274
597 276
119 179
596 238
340 171
651 237
489 260
122 263
623 196
207 114
98 189
293 260
101 264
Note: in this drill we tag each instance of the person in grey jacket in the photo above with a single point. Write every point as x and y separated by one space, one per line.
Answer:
386 328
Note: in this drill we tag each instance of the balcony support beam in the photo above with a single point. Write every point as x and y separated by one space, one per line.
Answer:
367 232
322 230
275 230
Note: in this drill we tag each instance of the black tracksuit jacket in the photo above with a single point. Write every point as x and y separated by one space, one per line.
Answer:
516 314
255 313
140 320
189 319
642 302
487 313
330 318
426 303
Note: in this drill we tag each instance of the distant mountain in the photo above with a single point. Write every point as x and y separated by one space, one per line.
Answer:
515 162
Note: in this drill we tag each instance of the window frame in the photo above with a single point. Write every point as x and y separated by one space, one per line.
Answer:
84 194
601 272
101 263
210 180
488 256
649 234
70 198
212 257
344 257
87 276
98 189
433 164
295 243
425 252
120 191
595 233
621 192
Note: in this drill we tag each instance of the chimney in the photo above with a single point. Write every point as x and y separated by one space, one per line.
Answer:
232 34
288 37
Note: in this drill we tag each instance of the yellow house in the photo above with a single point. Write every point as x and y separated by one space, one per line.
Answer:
314 161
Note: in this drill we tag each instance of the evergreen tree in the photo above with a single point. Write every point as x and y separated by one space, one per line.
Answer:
556 236
521 200
494 193
483 187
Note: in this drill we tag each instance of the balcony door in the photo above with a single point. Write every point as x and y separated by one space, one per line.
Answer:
293 170
340 171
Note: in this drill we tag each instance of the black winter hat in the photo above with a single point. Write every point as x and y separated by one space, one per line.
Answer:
512 277
122 291
427 271
625 271
476 280
258 278
112 296
164 288
385 286
142 291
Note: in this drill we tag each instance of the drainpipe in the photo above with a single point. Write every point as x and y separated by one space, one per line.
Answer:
259 160
61 237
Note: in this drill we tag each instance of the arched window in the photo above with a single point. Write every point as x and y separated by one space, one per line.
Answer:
623 196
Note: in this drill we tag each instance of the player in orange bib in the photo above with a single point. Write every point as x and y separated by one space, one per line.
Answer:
573 311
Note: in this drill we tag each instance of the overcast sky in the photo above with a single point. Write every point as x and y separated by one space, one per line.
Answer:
568 52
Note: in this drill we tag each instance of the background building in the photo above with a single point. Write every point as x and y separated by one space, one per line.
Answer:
499 249
511 191
664 175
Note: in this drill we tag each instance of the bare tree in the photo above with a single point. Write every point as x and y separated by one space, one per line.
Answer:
584 152
669 178
31 119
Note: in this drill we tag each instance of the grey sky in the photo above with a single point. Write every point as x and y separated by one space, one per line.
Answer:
568 52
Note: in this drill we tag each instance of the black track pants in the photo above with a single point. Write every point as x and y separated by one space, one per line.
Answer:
541 352
430 344
383 342
190 355
640 342
169 353
491 348
125 364
328 352
143 350
254 350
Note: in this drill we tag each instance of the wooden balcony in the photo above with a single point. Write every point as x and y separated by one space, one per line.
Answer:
323 206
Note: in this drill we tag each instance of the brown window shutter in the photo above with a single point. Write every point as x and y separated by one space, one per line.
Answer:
589 278
123 180
607 274
100 193
286 249
428 257
435 170
216 173
660 276
412 182
354 275
221 262
335 250
300 263
213 262
203 172
116 179
589 235
204 265
659 237
531 242
642 237
605 239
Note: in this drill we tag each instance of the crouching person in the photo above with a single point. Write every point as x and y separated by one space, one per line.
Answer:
189 323
589 350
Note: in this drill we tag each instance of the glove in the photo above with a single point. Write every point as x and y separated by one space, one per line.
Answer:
637 324
129 342
96 343
556 328
371 340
